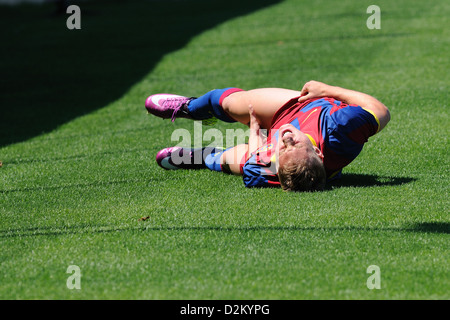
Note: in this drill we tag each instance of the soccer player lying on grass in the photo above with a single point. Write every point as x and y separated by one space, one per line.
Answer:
311 134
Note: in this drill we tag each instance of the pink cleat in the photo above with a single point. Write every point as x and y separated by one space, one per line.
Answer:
174 158
168 106
163 157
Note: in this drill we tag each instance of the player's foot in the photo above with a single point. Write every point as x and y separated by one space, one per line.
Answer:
174 158
168 106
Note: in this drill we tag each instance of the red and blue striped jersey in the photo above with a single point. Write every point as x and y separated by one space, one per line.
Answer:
338 129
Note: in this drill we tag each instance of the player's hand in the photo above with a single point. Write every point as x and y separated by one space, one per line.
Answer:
254 123
312 90
257 137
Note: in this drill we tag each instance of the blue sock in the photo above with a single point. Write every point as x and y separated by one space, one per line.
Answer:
212 160
209 105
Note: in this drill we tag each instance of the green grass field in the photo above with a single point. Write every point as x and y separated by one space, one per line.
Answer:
78 150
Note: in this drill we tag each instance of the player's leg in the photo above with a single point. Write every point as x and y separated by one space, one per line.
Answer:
204 107
265 102
174 158
227 161
233 158
215 159
229 104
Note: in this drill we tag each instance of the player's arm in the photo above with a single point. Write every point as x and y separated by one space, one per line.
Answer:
257 138
315 89
233 158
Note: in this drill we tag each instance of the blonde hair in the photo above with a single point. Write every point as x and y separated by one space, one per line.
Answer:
303 175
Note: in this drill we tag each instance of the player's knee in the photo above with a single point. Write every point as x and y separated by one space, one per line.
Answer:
384 116
303 175
387 116
234 101
236 106
232 159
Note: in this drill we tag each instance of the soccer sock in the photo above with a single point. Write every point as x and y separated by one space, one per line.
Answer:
210 104
212 160
198 158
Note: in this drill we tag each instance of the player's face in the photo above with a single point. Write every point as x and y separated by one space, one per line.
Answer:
292 143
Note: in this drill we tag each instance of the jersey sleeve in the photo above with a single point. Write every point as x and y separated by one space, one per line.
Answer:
260 171
348 128
355 123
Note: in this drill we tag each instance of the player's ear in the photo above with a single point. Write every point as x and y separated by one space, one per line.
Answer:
318 152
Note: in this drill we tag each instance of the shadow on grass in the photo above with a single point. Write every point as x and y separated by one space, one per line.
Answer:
51 75
367 180
348 180
426 227
431 227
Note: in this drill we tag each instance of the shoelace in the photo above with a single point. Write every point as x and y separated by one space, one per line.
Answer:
176 104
